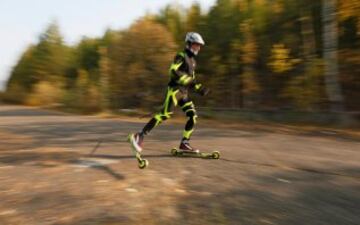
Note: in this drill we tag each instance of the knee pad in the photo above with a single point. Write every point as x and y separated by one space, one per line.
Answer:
192 116
162 117
191 113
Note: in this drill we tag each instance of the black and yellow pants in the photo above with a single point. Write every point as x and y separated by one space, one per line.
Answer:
173 98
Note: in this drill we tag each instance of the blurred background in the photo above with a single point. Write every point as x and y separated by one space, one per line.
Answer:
266 59
284 112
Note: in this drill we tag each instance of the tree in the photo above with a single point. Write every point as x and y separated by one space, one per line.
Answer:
287 53
104 65
50 56
45 93
193 18
305 90
20 82
88 56
330 38
173 20
141 62
280 60
250 86
44 62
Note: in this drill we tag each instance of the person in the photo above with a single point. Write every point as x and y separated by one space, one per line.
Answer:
182 80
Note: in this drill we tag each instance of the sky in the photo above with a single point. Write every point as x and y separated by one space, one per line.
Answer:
22 21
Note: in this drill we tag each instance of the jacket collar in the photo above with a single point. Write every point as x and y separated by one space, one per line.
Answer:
189 53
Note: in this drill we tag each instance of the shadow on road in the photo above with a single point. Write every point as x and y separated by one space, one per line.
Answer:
280 198
54 159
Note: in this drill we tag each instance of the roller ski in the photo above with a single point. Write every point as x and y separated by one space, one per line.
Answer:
185 150
136 147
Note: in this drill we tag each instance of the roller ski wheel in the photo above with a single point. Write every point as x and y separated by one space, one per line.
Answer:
215 155
142 163
174 152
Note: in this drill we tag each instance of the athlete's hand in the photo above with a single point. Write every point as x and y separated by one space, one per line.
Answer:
204 91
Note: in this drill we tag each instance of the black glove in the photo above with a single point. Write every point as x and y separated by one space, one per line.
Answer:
204 91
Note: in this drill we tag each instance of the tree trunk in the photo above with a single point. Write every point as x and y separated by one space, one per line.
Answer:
330 39
307 32
104 78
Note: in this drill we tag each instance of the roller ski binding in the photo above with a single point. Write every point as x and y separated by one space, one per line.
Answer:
187 151
136 147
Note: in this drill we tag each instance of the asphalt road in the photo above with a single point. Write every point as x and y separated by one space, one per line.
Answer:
265 175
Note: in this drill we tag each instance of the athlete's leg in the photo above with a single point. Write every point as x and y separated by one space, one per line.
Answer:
188 108
170 101
164 114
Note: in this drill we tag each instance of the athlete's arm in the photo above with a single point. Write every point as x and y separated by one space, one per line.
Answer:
178 70
199 88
